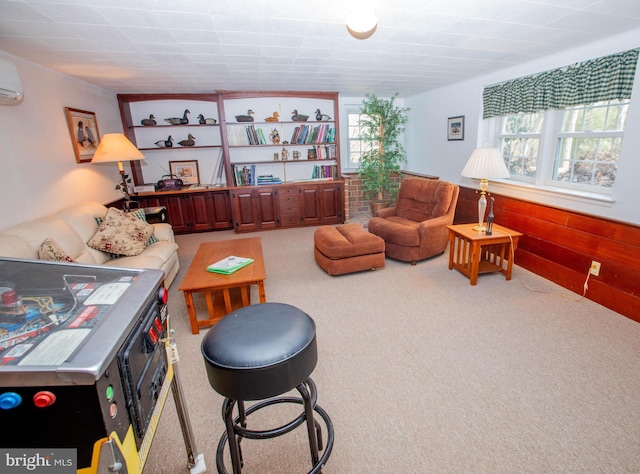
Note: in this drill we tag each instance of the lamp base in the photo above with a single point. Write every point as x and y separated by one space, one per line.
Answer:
479 228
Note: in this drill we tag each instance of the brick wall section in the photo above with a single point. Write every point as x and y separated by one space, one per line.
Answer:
354 199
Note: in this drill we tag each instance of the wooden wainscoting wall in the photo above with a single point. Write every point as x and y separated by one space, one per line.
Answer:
559 245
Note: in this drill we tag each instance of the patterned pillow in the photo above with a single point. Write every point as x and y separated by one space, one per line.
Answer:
50 250
121 234
138 214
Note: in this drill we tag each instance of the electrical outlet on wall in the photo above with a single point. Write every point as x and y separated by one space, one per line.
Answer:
595 268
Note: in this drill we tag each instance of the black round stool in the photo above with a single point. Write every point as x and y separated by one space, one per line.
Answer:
260 352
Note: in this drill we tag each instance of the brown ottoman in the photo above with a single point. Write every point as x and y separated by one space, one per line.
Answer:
347 248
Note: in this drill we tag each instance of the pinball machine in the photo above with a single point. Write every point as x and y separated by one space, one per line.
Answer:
85 363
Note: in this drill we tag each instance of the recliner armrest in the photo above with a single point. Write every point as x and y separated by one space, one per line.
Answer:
386 212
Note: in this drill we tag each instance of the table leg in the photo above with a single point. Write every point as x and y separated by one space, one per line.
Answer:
244 291
227 301
261 293
512 252
191 309
209 299
451 248
475 262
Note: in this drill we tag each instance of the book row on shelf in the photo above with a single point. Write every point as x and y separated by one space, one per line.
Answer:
325 171
305 134
246 175
323 133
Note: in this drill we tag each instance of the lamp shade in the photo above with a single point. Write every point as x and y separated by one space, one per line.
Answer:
362 22
485 163
115 147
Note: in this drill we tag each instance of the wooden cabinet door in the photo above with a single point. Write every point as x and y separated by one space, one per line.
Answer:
310 204
331 203
245 210
177 213
221 210
267 208
199 208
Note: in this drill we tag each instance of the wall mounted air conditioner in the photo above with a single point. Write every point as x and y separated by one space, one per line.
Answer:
10 86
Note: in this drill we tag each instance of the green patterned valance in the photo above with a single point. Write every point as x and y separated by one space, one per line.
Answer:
606 78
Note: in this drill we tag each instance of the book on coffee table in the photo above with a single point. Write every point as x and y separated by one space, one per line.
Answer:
229 265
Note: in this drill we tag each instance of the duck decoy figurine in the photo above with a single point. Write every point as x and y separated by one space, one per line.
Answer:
179 121
150 121
246 118
190 141
273 118
296 117
206 121
168 143
320 117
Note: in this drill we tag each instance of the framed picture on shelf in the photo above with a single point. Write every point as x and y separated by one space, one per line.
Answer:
455 128
83 129
187 171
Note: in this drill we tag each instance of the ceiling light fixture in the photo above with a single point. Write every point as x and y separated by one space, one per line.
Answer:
362 22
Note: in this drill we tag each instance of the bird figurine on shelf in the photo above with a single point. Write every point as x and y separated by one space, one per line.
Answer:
273 118
246 118
296 117
320 117
190 141
148 122
206 121
179 121
168 143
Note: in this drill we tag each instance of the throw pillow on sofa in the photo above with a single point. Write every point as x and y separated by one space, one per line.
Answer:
121 234
50 250
138 214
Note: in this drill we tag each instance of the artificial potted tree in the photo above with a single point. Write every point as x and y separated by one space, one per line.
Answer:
381 125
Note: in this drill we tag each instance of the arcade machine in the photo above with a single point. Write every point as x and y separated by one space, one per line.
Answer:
86 363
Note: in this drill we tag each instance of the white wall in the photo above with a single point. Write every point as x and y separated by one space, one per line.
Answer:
429 152
37 164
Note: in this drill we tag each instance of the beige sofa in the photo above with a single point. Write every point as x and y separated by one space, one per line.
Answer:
73 227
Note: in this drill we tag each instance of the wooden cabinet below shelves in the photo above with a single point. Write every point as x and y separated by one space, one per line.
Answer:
193 212
286 205
254 208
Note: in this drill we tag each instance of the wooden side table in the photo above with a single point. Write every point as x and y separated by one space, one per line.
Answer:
472 252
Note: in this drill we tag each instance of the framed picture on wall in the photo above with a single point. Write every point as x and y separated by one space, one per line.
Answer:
455 128
83 129
187 171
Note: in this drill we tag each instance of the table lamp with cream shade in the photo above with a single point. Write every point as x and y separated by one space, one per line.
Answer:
115 147
484 163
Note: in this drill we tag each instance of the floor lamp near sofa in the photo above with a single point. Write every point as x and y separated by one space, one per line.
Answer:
115 147
484 163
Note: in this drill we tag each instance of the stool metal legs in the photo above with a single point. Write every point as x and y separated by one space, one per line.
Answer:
236 429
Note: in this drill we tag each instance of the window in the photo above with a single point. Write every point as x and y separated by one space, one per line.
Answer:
589 143
520 143
577 147
356 146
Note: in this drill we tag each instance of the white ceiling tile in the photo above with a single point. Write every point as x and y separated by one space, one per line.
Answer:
197 45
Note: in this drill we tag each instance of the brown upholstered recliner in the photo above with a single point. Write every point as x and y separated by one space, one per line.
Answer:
415 228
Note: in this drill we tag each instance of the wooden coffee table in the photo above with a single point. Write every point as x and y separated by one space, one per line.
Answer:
472 252
216 286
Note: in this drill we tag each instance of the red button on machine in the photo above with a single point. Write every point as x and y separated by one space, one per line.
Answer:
44 399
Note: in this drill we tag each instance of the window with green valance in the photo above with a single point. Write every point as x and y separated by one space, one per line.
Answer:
606 78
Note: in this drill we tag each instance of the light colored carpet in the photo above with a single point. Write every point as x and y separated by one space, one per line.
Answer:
421 372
